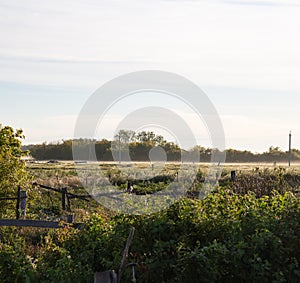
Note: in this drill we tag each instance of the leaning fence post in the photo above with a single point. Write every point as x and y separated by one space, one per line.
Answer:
63 199
18 203
125 254
23 204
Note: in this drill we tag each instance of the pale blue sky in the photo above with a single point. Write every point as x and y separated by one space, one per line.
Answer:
244 54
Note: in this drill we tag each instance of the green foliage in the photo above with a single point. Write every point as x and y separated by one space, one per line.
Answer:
15 265
56 264
13 171
225 237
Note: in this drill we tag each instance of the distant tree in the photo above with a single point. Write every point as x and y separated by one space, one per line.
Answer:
139 151
274 154
233 155
150 137
295 154
125 136
173 151
103 150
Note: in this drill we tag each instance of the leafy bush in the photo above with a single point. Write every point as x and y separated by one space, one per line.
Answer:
15 266
57 265
225 237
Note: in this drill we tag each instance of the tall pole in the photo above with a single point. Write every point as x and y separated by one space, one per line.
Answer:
290 148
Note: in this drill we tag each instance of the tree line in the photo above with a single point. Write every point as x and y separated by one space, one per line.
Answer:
137 147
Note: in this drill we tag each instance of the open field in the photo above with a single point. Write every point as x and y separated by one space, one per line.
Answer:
64 172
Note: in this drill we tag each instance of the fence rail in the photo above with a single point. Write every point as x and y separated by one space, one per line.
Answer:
30 223
37 223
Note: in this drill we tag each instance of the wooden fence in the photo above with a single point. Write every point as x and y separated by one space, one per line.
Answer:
21 197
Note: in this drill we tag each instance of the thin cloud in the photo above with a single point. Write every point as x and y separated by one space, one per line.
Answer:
37 59
270 3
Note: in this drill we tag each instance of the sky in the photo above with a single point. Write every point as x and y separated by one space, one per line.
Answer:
245 55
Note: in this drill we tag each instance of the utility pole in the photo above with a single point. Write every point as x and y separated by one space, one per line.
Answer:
290 148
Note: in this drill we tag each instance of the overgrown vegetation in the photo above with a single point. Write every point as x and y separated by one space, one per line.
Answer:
246 231
225 237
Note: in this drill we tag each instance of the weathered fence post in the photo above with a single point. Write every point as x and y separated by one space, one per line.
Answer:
63 198
70 218
233 176
125 254
18 203
68 201
23 204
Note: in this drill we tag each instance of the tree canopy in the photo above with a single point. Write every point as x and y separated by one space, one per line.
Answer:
138 145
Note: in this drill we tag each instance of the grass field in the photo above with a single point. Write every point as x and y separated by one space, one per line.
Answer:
261 179
64 172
